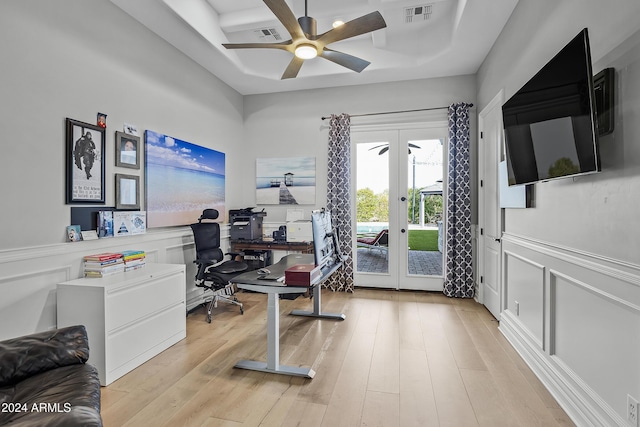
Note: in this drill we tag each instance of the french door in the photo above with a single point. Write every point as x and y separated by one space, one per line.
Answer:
398 188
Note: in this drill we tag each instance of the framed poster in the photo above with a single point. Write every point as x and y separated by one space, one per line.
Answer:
286 181
181 180
84 162
127 150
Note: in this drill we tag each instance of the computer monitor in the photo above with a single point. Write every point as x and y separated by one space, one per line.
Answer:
325 242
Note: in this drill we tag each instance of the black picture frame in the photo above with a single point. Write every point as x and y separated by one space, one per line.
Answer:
128 150
127 191
85 162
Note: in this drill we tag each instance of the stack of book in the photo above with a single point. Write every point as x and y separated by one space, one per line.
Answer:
103 264
133 260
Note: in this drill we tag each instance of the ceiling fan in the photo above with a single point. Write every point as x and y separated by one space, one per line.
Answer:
385 148
306 43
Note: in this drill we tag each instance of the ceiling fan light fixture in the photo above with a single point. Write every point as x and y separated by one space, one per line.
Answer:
306 43
306 51
337 23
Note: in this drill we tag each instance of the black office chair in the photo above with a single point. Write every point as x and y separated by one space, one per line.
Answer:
214 274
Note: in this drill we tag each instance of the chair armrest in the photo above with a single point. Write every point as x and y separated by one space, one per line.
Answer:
205 262
25 356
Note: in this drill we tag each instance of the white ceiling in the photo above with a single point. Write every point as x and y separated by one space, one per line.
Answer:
453 40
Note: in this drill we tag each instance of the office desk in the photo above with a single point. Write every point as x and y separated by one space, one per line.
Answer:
251 281
262 245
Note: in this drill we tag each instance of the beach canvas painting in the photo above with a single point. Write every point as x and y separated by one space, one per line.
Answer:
286 181
182 180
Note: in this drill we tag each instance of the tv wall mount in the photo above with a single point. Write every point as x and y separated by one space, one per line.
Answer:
603 88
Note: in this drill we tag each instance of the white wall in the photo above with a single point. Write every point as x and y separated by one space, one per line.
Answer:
289 124
571 262
75 58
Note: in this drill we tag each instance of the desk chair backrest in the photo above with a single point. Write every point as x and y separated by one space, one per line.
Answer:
213 274
206 236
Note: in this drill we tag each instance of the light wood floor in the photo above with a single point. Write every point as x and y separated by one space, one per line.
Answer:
399 359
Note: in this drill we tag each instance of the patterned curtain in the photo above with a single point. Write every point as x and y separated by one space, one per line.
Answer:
339 197
458 280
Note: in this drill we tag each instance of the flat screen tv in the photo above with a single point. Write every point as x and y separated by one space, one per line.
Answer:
550 124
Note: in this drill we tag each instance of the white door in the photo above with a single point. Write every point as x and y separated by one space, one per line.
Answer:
490 216
390 168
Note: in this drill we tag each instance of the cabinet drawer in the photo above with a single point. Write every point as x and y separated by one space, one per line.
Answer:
140 342
127 304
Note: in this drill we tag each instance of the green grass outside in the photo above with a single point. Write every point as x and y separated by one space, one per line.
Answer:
423 240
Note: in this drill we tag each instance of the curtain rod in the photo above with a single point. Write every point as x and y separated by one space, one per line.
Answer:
395 112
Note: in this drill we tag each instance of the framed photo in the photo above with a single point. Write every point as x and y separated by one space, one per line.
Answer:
73 233
127 150
84 162
127 191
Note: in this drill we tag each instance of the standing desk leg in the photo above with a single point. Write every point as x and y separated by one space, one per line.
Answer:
273 332
273 346
317 312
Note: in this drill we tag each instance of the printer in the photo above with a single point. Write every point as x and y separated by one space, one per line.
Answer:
246 224
299 231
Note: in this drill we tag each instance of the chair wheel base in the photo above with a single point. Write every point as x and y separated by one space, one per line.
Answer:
225 298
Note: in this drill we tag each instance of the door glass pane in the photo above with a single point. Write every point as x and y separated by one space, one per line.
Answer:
425 207
372 207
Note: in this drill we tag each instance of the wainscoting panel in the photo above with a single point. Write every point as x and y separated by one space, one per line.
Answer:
185 253
524 297
585 311
34 292
30 276
593 333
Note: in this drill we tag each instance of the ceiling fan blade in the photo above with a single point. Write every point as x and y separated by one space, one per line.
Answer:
286 17
384 150
365 24
281 45
351 62
293 68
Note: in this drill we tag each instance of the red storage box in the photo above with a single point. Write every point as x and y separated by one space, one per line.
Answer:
301 275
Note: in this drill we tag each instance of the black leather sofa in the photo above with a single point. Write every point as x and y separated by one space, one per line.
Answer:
44 380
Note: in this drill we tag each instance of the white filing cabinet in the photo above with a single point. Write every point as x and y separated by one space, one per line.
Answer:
130 317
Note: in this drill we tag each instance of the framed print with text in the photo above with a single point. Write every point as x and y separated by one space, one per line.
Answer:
85 162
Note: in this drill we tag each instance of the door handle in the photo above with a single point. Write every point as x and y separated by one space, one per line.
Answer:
404 199
403 230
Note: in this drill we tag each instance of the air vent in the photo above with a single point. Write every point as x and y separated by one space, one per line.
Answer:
417 13
268 35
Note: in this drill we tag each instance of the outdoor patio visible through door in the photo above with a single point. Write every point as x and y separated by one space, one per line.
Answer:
399 207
